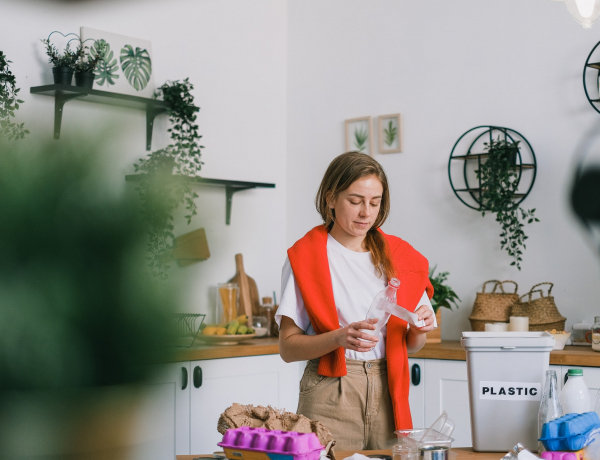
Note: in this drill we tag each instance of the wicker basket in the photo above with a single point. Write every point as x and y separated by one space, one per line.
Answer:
542 312
492 307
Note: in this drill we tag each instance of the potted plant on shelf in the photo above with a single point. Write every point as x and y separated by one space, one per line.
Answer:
86 64
64 64
499 176
443 296
9 102
165 173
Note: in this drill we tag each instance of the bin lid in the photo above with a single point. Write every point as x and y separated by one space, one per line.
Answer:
507 340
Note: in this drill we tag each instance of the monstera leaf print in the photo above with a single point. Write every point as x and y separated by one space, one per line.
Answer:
107 68
137 66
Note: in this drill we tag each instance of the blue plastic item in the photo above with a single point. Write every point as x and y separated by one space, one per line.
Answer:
571 432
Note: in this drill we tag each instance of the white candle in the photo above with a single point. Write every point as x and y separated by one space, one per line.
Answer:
519 324
496 327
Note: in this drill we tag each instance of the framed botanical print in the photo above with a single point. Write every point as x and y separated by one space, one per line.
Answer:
359 135
390 133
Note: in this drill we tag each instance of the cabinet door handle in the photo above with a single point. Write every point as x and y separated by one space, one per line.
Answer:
415 374
197 376
566 377
184 378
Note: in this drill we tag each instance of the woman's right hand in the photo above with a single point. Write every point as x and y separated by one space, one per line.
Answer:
352 338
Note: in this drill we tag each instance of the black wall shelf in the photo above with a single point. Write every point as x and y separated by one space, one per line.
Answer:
474 138
596 66
231 187
64 93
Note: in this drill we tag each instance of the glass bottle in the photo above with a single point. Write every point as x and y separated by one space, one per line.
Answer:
596 334
550 407
381 307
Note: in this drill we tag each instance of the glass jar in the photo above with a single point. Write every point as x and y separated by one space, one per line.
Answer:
596 334
228 297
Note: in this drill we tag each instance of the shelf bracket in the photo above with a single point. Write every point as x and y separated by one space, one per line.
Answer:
59 103
151 114
229 191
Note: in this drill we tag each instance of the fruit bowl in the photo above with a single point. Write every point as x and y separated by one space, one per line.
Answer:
560 339
225 339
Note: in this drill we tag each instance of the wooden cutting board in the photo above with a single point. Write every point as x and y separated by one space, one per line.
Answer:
249 300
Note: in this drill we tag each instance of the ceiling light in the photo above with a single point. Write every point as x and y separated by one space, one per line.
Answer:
585 12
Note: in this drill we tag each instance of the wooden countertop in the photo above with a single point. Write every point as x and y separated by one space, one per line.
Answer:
570 356
253 347
462 454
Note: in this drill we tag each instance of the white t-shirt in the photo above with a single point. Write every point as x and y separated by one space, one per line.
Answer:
354 283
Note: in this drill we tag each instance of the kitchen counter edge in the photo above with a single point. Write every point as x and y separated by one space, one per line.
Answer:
447 350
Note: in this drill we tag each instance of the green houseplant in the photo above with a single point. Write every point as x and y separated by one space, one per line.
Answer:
499 176
80 318
165 173
64 64
9 102
87 64
443 296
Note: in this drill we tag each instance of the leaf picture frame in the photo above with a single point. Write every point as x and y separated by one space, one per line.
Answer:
359 135
390 133
127 66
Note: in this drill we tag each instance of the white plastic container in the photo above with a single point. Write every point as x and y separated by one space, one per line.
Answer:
506 372
575 397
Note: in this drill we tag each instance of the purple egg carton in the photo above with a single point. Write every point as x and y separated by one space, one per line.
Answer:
559 456
278 445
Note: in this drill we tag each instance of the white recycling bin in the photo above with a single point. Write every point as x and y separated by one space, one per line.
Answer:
506 372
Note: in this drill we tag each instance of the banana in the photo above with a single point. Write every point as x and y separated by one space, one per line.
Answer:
209 330
242 329
250 331
233 327
243 319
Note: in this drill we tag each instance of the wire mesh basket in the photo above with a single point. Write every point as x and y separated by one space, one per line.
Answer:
186 328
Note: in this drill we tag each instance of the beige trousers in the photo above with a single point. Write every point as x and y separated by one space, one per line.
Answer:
357 408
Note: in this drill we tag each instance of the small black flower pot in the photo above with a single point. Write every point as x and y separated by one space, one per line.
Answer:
63 75
84 79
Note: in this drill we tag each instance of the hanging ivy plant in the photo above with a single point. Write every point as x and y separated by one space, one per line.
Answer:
163 186
499 176
9 102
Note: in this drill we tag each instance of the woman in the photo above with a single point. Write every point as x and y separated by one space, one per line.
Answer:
356 384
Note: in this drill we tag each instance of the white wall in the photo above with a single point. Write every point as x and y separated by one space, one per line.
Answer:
448 66
234 52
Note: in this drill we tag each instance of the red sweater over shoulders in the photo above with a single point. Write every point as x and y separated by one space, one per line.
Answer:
308 258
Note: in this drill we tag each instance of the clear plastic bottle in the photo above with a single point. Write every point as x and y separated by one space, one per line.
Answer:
381 307
550 407
575 396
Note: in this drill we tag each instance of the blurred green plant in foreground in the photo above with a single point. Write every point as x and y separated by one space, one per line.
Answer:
77 307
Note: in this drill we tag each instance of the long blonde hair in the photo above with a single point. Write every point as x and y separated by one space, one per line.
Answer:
342 172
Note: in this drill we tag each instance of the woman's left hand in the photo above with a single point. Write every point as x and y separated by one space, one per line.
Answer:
426 314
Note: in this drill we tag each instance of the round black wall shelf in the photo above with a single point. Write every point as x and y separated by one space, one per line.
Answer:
468 154
591 64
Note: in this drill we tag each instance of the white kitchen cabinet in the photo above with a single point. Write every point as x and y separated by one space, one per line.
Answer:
447 388
416 395
162 427
259 380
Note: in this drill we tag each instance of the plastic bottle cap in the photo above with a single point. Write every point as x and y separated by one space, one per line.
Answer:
575 372
394 282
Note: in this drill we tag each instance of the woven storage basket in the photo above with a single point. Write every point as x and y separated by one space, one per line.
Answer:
492 307
542 312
